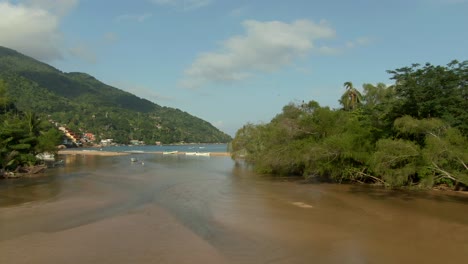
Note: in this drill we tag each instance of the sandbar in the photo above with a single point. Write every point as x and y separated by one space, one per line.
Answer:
145 235
92 152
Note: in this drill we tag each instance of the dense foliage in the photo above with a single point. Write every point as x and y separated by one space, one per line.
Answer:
23 136
413 133
84 104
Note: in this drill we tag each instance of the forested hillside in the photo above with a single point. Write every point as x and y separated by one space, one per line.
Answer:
413 133
84 104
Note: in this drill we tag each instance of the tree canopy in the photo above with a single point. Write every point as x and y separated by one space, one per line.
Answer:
413 133
23 136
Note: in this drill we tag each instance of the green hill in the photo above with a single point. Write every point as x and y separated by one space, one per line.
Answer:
85 104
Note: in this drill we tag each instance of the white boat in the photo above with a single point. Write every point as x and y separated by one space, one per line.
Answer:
197 154
133 160
46 156
170 152
134 151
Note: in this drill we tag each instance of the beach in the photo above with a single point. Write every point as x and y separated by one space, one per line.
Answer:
91 152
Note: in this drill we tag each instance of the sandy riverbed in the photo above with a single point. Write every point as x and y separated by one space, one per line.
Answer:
145 235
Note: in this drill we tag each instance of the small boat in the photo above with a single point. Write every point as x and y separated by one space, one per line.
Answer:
197 153
46 156
133 160
134 151
170 152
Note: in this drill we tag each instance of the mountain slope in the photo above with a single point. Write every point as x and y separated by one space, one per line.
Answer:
85 104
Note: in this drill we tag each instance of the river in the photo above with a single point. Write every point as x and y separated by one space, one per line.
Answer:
188 209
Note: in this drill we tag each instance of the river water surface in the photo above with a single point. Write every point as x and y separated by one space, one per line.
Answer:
181 209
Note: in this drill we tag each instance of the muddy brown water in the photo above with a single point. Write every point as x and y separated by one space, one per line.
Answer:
177 209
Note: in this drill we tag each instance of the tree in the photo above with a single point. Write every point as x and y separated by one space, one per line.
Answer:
22 136
5 103
390 135
378 101
433 91
443 149
396 162
352 98
447 157
48 141
16 144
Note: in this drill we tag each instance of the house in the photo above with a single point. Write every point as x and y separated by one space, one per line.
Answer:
106 142
136 142
89 137
71 137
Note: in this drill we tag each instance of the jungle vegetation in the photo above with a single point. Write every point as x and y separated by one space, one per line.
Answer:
412 133
84 104
23 135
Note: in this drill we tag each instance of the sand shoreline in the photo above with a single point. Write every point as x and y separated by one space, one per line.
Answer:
92 152
110 153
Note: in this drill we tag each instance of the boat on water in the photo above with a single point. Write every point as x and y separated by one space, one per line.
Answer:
170 152
197 153
134 151
46 156
133 160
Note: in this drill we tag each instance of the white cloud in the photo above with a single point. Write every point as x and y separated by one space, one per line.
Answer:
265 47
134 17
183 4
31 30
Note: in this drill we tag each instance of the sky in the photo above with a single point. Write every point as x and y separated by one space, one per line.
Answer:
232 62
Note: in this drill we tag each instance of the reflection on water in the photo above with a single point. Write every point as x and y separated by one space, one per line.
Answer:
244 217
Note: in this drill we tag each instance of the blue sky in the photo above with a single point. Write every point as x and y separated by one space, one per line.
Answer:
233 62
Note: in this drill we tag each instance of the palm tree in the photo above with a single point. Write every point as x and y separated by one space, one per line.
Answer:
351 98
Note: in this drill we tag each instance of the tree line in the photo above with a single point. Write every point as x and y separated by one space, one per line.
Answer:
413 133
